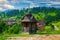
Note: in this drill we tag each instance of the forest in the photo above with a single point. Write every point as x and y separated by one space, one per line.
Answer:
50 14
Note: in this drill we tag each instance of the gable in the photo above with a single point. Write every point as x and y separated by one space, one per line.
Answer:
29 18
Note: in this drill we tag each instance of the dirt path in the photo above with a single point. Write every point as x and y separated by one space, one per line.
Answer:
36 37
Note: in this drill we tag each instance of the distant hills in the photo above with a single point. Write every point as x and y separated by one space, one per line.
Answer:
48 13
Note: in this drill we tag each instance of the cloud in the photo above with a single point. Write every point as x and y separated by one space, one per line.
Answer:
1 8
33 5
8 4
55 2
36 3
30 2
4 4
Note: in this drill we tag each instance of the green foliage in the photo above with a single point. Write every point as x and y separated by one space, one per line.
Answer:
15 29
3 27
57 23
48 30
51 15
39 16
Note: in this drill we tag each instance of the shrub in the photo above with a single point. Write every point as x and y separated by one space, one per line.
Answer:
3 27
16 28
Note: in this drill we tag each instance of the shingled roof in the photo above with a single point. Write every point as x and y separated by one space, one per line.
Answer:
29 18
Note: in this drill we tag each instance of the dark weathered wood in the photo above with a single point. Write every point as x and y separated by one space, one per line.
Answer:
30 24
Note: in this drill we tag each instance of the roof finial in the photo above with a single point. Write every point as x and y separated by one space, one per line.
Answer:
29 9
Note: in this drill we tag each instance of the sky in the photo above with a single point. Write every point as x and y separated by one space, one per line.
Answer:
20 4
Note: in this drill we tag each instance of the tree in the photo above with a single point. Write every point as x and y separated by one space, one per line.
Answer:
16 28
3 27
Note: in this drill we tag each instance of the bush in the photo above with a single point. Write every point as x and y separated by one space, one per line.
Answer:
15 29
3 27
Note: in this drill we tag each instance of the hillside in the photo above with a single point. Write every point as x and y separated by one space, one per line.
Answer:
50 14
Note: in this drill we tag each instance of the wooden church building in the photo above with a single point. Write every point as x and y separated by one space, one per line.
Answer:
29 23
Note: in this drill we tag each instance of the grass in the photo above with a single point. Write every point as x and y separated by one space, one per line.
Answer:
2 37
57 24
46 31
20 35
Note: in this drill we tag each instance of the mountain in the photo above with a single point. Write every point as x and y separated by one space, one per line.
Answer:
49 13
12 12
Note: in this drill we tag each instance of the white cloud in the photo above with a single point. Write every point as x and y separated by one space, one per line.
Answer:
4 4
9 6
48 5
18 1
1 8
31 2
55 2
36 3
33 5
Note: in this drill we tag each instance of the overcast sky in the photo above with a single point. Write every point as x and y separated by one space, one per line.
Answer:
19 4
